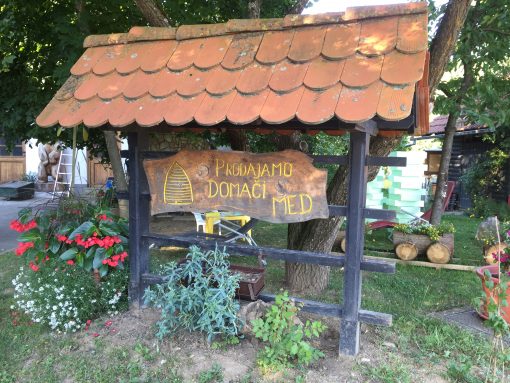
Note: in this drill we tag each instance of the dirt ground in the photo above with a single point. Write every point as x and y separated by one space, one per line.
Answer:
191 354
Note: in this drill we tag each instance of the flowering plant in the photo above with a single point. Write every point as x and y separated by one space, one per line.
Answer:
66 298
76 233
503 256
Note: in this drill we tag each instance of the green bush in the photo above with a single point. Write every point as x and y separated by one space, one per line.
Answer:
486 207
198 295
287 341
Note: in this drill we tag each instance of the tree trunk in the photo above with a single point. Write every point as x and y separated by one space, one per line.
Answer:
446 151
153 13
444 41
319 234
115 160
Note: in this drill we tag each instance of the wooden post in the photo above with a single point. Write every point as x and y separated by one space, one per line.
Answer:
138 218
355 236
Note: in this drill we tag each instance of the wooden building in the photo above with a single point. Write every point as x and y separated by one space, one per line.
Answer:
469 147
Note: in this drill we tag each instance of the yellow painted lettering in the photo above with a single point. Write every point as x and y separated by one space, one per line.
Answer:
246 190
219 165
287 169
278 201
305 197
223 189
265 170
213 184
291 204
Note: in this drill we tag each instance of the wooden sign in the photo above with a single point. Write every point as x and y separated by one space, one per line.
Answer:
275 187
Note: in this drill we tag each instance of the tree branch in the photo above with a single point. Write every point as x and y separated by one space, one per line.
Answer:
298 7
444 41
153 13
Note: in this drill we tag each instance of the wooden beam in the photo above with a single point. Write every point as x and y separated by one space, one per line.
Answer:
299 256
358 174
369 127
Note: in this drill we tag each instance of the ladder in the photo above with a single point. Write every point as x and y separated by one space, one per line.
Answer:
61 171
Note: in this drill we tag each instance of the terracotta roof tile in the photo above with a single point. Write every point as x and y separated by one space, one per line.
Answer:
356 105
139 84
322 73
157 56
281 108
212 51
399 68
360 71
254 78
307 44
193 81
222 81
341 41
165 83
349 66
395 102
242 51
184 55
183 109
246 108
378 36
287 76
274 46
214 109
410 34
100 115
110 59
316 107
87 61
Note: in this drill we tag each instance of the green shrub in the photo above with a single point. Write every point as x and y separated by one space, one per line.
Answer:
287 341
198 295
486 207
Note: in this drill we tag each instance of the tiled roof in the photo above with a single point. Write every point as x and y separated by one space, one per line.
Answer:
350 66
438 125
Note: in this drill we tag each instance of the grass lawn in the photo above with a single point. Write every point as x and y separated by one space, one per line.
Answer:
29 353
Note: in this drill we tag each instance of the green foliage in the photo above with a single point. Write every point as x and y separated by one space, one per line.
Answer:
77 232
486 207
213 375
482 50
198 295
434 232
287 341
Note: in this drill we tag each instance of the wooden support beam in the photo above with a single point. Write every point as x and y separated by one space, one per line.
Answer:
139 215
324 259
355 235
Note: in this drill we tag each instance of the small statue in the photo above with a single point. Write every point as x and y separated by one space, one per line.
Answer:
49 156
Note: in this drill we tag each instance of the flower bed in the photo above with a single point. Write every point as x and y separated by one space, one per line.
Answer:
75 264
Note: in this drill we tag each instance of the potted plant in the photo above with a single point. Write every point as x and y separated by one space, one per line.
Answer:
486 235
437 241
494 305
496 283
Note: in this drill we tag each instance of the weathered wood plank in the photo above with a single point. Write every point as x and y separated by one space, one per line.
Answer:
334 259
276 187
355 236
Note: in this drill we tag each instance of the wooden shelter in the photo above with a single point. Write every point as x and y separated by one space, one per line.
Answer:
360 72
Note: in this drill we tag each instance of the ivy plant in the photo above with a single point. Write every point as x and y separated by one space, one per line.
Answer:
197 295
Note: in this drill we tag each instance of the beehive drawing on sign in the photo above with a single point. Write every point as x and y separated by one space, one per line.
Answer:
178 190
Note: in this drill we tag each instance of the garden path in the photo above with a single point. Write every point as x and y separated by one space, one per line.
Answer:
9 210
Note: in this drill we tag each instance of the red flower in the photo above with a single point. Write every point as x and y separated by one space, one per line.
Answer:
61 237
95 335
108 323
20 227
70 262
33 266
22 247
